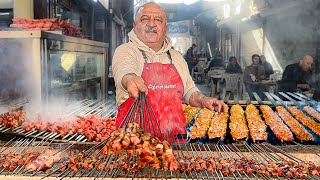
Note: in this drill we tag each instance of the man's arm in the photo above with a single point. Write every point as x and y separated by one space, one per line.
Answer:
246 75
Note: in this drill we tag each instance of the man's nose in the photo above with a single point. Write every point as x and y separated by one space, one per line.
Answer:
151 23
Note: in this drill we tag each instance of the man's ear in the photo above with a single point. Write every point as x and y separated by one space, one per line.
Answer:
134 25
166 29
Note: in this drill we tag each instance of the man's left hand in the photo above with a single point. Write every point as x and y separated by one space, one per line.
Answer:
214 104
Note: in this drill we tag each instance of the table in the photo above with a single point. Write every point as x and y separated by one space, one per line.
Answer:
270 85
215 84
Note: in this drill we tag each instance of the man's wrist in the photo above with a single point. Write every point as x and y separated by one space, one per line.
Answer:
125 79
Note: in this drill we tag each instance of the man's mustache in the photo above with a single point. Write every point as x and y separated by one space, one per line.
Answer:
151 30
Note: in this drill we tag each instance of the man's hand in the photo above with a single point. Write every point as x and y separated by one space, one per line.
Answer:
303 86
214 104
199 100
312 90
133 84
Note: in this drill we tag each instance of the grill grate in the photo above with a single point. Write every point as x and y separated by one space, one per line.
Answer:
81 108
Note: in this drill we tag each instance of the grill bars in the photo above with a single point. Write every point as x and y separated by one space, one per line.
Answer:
81 108
16 155
196 162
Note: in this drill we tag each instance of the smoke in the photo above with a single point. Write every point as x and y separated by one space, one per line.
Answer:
22 76
17 79
54 111
293 33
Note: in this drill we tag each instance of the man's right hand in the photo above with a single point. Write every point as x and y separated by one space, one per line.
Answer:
133 84
303 86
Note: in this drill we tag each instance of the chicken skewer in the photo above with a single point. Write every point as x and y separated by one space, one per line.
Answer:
201 124
257 127
281 131
307 121
312 112
218 127
238 123
294 125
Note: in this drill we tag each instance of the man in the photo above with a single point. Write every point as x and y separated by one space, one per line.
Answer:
267 66
253 75
216 62
297 76
190 57
148 64
316 77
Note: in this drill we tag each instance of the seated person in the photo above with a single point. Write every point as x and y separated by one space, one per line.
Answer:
233 67
216 62
252 75
297 76
267 66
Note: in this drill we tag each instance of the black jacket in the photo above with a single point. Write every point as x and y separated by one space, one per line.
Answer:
268 69
233 69
293 75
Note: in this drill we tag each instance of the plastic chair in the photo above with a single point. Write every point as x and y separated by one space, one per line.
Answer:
233 84
214 78
199 74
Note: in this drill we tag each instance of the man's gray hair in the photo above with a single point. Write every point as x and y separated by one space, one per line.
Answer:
151 2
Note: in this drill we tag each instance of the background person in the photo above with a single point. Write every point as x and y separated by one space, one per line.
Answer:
297 76
266 65
233 67
252 77
190 57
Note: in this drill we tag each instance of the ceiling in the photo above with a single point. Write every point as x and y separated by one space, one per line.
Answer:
199 11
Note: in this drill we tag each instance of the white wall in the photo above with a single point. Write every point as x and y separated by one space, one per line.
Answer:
6 4
23 9
293 33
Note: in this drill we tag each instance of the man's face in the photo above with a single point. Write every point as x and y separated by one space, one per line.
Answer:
255 60
150 25
306 63
233 62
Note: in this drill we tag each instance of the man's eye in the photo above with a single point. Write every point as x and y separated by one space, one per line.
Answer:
144 19
158 19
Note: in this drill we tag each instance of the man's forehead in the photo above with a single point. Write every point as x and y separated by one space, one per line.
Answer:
151 9
308 59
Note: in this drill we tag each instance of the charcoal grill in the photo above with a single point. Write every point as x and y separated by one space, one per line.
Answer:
262 153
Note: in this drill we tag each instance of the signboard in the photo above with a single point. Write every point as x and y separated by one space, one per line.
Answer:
180 28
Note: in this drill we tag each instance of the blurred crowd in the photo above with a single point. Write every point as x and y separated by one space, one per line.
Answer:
301 76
